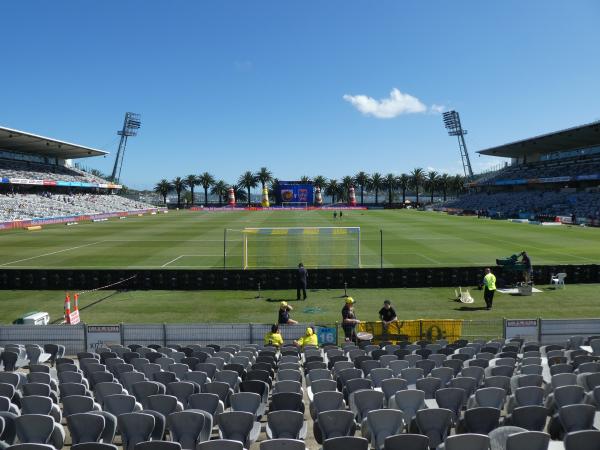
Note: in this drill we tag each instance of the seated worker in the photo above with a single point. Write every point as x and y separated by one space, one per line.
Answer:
284 314
274 337
309 338
387 315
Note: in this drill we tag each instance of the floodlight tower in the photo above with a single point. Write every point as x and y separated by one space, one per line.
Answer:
452 124
131 124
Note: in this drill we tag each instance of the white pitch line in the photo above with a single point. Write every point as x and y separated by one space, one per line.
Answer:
435 261
172 261
51 253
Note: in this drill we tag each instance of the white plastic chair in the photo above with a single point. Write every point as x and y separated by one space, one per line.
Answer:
559 279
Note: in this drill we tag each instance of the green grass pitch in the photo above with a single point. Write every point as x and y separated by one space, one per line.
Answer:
195 240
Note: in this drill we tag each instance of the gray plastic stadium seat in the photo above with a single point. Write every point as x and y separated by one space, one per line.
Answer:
429 385
34 447
186 427
331 424
499 436
102 390
346 443
135 428
285 425
238 426
223 390
206 402
326 401
480 420
74 404
182 390
390 386
143 389
490 396
583 440
452 399
94 446
37 404
158 445
379 374
320 386
287 401
85 427
445 374
34 428
120 404
469 441
576 417
528 440
365 401
409 401
383 423
435 424
164 404
282 444
220 444
532 417
407 442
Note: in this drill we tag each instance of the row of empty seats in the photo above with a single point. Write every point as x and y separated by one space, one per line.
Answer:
38 171
34 206
461 395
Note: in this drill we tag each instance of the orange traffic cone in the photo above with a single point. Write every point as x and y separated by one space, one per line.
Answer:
67 308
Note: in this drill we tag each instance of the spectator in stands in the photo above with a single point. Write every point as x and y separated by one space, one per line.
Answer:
309 338
528 272
301 281
274 337
349 320
489 283
387 315
284 314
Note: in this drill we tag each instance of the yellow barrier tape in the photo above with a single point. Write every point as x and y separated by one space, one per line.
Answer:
414 330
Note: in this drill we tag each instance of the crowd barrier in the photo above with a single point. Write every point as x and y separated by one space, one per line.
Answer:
87 337
274 279
64 219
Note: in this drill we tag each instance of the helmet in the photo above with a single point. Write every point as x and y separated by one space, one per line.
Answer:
283 304
349 300
309 331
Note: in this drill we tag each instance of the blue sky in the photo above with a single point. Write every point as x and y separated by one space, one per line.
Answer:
228 86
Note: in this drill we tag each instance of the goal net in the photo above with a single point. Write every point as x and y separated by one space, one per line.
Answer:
315 247
301 205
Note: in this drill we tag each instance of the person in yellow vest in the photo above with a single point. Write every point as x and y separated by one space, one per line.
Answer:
489 288
309 338
274 337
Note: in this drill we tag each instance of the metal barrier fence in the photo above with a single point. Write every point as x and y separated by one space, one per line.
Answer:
82 337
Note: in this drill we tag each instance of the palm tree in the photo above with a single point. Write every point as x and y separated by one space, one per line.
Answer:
320 182
391 183
332 189
249 181
206 180
345 185
403 183
304 179
219 188
239 192
417 176
362 179
376 184
162 188
273 189
179 185
432 181
265 176
458 184
444 183
191 181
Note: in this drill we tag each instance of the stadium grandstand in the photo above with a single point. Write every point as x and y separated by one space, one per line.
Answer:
555 174
39 181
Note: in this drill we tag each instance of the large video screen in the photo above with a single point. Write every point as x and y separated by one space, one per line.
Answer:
295 192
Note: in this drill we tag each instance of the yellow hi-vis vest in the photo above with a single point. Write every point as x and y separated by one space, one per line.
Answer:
490 281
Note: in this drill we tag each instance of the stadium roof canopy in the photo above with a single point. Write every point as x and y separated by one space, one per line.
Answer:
569 139
22 142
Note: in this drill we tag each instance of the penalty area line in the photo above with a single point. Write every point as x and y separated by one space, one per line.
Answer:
51 253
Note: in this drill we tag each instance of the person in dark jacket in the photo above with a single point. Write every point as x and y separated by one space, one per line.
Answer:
301 281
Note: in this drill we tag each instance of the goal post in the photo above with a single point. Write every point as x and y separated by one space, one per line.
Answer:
315 247
299 205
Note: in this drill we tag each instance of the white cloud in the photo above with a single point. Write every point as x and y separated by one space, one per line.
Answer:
395 105
437 109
